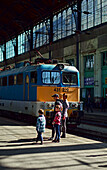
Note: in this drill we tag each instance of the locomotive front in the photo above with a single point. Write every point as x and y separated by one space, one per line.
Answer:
60 79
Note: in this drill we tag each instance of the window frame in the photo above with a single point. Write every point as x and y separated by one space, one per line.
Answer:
20 82
4 82
35 82
87 58
104 56
1 81
69 84
11 81
50 77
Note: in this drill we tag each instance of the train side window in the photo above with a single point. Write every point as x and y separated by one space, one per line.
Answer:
20 79
27 79
0 81
11 80
15 78
33 77
4 81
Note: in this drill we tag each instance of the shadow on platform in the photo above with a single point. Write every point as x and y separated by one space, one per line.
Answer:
43 149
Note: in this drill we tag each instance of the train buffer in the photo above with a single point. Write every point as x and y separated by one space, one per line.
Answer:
18 150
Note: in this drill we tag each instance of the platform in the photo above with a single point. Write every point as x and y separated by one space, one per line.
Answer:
18 150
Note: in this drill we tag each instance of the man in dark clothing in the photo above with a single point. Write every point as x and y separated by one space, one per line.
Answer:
57 102
64 115
89 104
103 104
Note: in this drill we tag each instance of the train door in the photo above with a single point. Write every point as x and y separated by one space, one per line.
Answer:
26 87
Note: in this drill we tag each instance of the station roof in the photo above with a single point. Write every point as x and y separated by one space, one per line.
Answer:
17 16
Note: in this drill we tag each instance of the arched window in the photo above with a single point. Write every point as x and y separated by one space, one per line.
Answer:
21 43
59 25
104 11
97 5
1 54
55 28
84 7
64 24
69 22
90 16
10 52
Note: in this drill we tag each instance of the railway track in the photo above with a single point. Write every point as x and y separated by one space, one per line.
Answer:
93 126
96 120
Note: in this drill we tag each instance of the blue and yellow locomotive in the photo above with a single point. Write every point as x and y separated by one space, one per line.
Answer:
26 89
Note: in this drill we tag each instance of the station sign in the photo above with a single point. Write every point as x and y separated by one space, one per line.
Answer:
88 81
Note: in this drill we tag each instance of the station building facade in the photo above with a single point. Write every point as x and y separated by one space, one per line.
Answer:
62 26
92 60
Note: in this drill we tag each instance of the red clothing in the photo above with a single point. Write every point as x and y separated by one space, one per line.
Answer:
57 119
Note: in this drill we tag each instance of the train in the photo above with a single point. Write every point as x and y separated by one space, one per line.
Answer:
28 87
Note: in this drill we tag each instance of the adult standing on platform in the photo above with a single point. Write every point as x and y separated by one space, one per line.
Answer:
57 102
64 115
89 103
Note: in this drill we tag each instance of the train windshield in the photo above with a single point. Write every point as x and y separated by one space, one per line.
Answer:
69 78
50 77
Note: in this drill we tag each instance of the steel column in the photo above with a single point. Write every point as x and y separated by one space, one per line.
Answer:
78 28
50 36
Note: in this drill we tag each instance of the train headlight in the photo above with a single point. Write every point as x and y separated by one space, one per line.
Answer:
70 104
52 105
74 105
49 105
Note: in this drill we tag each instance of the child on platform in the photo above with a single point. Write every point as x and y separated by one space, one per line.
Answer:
40 126
56 122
